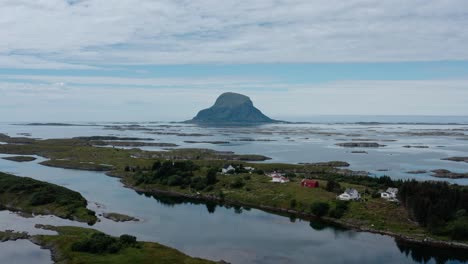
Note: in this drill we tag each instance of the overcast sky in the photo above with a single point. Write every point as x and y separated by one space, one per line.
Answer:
96 60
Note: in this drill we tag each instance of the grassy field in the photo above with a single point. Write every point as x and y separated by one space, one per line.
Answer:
141 253
31 196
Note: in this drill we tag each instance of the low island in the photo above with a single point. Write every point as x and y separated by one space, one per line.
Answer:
30 196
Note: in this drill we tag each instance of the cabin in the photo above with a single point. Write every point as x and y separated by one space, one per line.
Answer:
279 179
390 194
227 169
309 183
349 195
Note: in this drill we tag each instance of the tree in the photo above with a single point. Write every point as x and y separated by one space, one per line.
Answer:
333 186
319 209
211 176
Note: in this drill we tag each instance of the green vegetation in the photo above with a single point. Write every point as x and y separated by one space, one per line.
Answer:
193 173
320 208
119 217
437 206
100 243
36 197
75 245
20 158
10 235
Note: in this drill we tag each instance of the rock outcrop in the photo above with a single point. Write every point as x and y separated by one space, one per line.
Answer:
231 108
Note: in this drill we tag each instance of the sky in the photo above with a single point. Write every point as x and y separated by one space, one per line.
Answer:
163 60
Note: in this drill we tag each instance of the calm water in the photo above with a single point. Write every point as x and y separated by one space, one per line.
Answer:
237 235
294 143
23 252
241 235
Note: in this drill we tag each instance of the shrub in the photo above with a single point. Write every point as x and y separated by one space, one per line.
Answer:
293 203
99 243
460 230
333 186
237 183
174 180
211 176
319 209
340 209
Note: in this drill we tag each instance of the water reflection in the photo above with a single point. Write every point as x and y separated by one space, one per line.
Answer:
23 252
417 252
424 254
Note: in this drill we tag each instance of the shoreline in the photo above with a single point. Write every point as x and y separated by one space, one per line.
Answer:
304 216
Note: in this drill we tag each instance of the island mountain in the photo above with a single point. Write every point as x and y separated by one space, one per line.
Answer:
232 108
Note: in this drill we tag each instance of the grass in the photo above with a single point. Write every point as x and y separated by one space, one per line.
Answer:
9 235
145 252
256 190
36 197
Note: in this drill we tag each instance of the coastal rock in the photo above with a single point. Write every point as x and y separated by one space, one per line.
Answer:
457 159
232 108
360 145
442 173
119 217
415 146
417 172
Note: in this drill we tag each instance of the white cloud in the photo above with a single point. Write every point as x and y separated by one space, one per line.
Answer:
92 32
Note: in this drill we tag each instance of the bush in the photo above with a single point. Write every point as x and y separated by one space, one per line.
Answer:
460 230
237 183
293 203
333 186
340 209
174 180
42 197
259 172
211 176
127 240
319 209
99 243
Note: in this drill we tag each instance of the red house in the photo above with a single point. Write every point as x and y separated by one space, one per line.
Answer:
309 183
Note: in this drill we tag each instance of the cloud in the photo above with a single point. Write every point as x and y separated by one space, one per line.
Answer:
58 33
60 102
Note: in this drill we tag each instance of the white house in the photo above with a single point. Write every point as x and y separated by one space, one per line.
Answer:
349 194
279 179
227 169
390 194
249 169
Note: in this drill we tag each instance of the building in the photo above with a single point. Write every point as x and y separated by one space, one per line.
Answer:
309 183
249 168
390 194
349 195
227 169
279 179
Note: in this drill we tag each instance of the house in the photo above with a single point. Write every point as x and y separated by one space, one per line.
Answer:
227 169
279 179
390 194
249 168
309 183
349 194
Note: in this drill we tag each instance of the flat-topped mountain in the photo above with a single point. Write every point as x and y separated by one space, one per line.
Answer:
232 108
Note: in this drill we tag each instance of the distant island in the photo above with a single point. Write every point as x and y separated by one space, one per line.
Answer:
232 108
